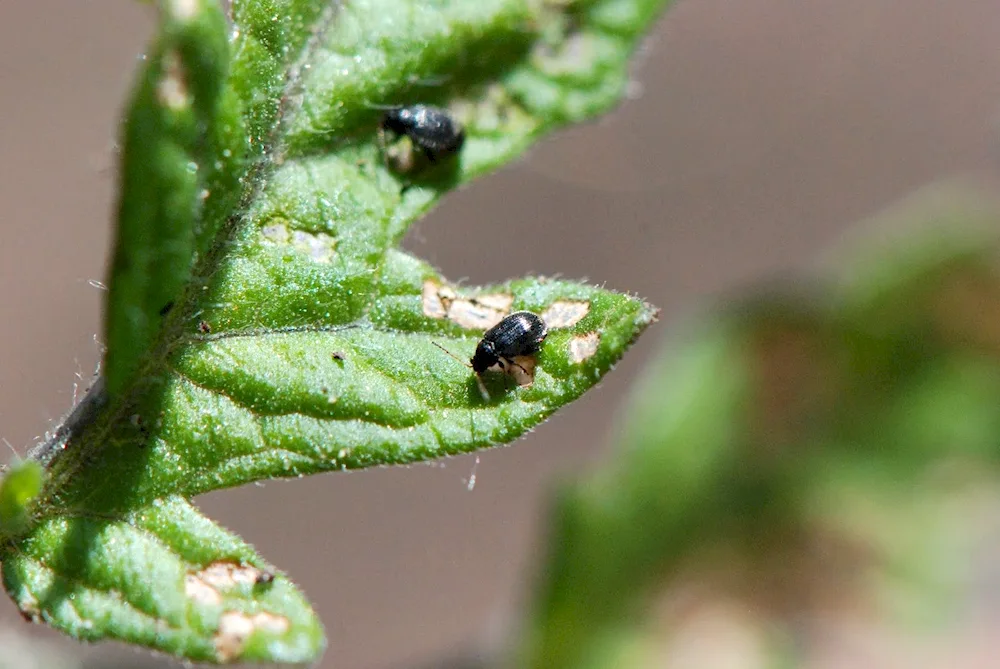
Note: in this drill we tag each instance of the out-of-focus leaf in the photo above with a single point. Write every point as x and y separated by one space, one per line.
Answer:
19 486
166 139
830 452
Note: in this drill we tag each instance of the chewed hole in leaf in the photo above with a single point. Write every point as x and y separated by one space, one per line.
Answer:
236 628
226 575
476 313
317 246
200 592
262 323
473 315
565 313
171 89
522 370
583 347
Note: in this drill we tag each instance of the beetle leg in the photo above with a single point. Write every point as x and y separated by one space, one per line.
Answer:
482 388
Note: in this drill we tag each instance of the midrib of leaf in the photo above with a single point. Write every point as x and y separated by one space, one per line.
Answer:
273 154
263 164
98 434
247 401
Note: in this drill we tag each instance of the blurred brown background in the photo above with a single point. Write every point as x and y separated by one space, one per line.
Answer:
758 132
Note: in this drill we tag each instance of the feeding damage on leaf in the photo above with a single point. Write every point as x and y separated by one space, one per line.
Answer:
476 313
208 585
583 346
261 322
237 628
317 246
558 307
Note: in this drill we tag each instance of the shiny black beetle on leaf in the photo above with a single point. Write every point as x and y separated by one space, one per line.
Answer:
511 345
431 129
518 334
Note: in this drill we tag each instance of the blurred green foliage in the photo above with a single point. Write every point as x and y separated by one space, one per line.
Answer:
817 454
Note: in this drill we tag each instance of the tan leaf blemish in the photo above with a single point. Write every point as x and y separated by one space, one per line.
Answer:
522 370
28 607
583 347
276 233
200 592
184 10
574 53
171 90
401 155
473 315
478 313
236 628
222 575
319 246
435 305
499 301
204 587
565 313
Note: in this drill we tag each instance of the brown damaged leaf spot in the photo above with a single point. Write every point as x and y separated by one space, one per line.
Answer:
474 316
436 298
498 301
318 247
400 155
523 370
28 607
184 10
565 313
205 587
583 346
491 112
477 313
223 575
171 91
200 592
236 628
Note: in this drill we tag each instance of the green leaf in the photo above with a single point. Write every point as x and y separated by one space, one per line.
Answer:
19 486
163 576
261 321
165 140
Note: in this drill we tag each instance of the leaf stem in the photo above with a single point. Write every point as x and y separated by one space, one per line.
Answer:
80 417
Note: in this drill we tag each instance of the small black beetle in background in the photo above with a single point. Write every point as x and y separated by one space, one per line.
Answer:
518 335
431 129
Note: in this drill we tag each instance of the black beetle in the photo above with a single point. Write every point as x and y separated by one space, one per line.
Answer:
520 333
517 336
431 129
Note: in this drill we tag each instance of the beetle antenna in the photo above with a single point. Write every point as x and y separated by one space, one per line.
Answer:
479 380
467 364
381 107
